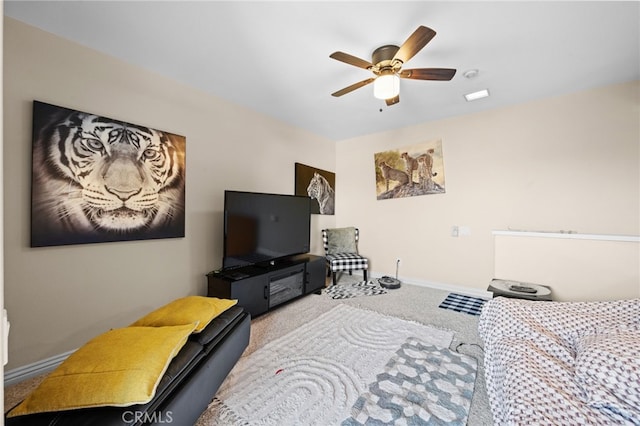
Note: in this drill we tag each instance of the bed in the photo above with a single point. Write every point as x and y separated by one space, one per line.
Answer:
562 363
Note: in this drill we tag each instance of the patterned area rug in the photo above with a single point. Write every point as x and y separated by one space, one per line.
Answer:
354 289
421 385
462 303
315 374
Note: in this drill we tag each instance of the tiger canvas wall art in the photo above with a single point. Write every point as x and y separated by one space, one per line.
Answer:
318 185
95 179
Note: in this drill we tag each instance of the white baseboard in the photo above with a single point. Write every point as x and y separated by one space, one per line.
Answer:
475 292
28 371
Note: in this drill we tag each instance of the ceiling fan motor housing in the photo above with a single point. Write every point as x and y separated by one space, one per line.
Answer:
384 54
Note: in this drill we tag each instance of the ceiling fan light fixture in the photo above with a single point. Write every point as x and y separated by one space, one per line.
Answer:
386 86
386 66
476 95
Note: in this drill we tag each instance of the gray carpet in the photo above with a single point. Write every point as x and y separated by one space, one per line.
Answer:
409 302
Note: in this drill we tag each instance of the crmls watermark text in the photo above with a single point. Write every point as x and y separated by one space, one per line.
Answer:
132 417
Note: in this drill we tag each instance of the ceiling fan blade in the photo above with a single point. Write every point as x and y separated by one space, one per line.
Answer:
414 43
443 74
351 60
393 101
353 87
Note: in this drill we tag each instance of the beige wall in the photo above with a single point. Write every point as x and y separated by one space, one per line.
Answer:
577 267
566 163
59 297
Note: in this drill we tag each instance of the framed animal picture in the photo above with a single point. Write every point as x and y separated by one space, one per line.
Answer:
96 179
410 171
317 184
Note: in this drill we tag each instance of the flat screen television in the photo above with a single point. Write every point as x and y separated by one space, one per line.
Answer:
260 229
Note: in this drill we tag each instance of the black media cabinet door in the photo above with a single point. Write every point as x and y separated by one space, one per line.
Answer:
316 268
252 294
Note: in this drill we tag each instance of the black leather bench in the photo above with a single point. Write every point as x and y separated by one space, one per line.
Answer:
184 392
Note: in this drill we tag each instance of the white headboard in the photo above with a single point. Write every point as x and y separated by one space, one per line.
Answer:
577 267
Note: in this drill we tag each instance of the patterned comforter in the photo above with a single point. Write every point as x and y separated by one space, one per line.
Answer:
562 363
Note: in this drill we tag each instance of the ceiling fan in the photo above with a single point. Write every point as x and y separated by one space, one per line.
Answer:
386 64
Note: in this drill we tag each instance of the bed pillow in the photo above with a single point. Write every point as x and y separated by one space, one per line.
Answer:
341 240
121 367
607 368
197 310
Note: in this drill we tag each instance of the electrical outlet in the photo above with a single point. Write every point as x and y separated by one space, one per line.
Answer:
397 261
454 231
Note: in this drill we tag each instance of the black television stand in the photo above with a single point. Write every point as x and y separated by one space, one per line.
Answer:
259 289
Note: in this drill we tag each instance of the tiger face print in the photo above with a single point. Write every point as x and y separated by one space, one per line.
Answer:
99 175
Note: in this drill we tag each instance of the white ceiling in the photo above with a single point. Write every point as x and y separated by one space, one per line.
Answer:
273 57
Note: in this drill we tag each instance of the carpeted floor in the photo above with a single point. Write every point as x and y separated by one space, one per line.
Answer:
409 302
315 374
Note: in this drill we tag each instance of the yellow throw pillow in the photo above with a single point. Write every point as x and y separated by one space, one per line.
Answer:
121 367
197 310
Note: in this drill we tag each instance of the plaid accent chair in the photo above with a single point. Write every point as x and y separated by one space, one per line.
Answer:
341 252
